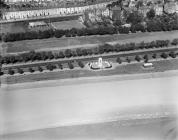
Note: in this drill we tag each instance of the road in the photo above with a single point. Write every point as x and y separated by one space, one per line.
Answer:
53 105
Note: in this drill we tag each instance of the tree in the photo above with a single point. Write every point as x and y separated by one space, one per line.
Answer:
50 67
124 30
149 3
137 58
10 71
1 14
71 66
128 59
139 4
84 52
80 63
118 23
153 25
172 54
40 69
56 56
146 57
134 18
119 60
20 71
68 53
174 42
79 52
154 55
1 73
137 27
61 54
60 66
31 70
150 14
3 5
164 55
50 55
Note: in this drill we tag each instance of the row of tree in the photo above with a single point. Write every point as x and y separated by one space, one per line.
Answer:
105 48
49 67
146 58
119 60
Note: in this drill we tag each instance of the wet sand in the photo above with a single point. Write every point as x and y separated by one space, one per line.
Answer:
42 106
157 129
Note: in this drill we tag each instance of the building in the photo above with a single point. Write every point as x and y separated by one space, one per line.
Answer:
144 10
116 13
170 7
29 14
177 7
158 9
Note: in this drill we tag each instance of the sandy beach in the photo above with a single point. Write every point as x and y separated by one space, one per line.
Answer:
109 99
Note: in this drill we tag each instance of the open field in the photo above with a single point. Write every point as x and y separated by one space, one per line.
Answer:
135 68
54 43
63 25
13 27
51 105
22 26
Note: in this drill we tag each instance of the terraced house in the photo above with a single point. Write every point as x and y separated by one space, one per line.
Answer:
30 14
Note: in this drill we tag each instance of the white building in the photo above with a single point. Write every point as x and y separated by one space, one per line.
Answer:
51 12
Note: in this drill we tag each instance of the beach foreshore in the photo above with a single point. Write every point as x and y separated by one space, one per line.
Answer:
49 104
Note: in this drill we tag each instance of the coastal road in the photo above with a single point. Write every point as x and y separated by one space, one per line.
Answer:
54 104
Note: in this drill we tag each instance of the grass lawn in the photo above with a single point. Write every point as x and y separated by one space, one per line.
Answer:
135 68
63 25
54 43
13 27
